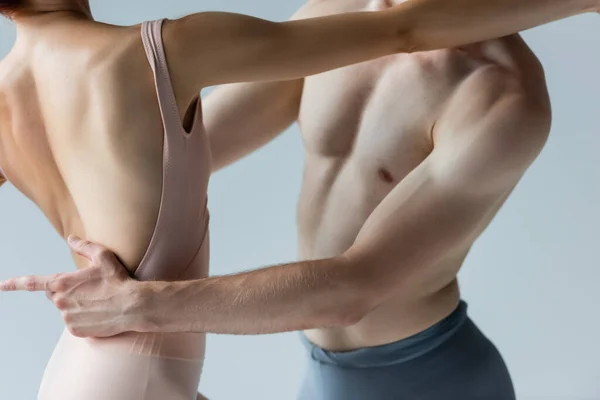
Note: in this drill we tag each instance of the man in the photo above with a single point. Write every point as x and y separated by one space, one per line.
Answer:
396 190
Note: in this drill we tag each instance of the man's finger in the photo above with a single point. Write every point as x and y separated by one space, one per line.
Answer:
85 248
65 282
30 283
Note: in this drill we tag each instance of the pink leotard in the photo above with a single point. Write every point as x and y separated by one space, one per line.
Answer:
136 366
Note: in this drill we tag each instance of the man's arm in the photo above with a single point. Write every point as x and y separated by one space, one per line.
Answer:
481 150
482 146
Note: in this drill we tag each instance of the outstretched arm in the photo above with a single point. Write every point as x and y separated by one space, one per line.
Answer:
482 147
212 48
435 24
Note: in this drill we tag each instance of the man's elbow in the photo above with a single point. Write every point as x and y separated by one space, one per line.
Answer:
352 311
358 294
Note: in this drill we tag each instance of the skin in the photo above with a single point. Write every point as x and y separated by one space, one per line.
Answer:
383 266
79 116
43 143
401 249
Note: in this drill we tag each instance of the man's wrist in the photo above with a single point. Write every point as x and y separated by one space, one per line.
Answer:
153 306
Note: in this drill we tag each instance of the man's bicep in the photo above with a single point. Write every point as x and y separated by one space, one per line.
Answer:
422 221
240 118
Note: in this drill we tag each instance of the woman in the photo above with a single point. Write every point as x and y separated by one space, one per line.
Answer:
101 127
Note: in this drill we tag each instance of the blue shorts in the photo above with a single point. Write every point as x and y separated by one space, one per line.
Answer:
452 360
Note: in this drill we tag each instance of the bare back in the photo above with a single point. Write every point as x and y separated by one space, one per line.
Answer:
365 129
81 132
95 138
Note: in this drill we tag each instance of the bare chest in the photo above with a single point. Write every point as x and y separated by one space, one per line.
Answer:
379 114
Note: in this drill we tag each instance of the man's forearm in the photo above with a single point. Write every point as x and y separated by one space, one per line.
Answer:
435 24
305 295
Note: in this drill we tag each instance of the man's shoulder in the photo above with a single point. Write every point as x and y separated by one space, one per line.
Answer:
505 104
490 84
512 65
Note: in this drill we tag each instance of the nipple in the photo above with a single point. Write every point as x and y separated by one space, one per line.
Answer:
380 5
385 175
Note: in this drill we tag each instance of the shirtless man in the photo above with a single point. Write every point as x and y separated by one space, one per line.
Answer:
407 160
396 190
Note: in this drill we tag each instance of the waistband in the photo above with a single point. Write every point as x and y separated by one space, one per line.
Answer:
394 353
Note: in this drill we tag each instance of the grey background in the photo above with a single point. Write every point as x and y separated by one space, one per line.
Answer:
531 281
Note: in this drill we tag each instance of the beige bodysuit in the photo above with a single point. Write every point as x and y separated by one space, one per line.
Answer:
136 366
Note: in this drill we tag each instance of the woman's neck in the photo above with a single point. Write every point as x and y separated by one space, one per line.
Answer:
36 8
35 25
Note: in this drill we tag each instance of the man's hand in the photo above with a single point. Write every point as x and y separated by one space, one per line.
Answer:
96 301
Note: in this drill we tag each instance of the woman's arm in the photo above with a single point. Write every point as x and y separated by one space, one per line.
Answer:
243 117
210 48
436 24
